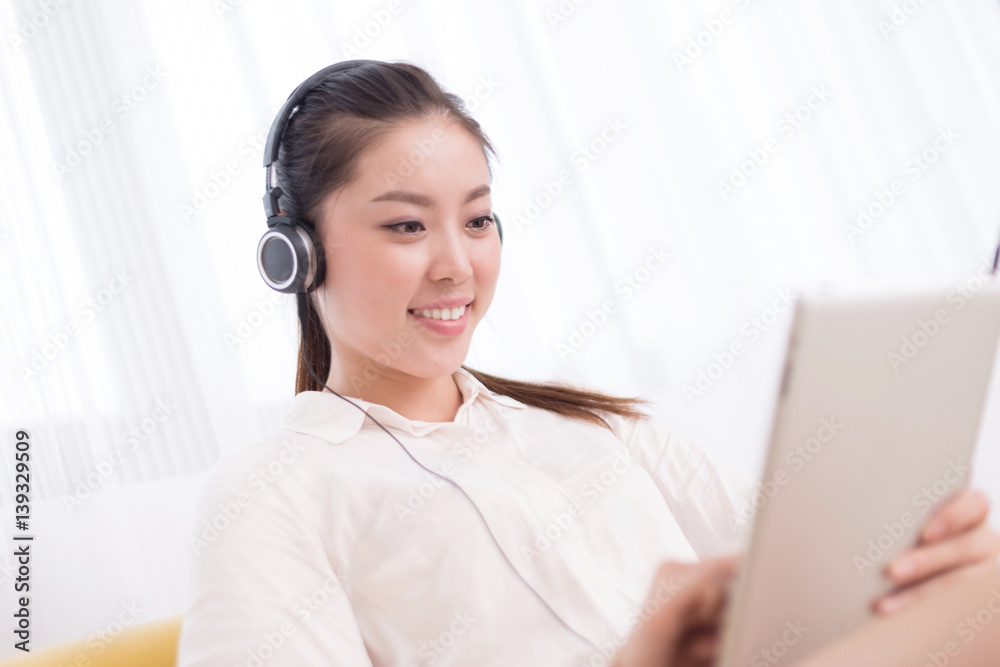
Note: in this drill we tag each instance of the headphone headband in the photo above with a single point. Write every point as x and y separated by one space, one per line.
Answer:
271 192
287 257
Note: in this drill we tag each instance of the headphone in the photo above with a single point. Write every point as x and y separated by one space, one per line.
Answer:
288 259
290 262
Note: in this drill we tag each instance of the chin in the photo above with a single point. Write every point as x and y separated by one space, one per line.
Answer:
440 364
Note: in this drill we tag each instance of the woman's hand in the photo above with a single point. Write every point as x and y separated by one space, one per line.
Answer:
681 630
956 544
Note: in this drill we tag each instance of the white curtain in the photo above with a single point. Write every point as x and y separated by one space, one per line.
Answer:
667 170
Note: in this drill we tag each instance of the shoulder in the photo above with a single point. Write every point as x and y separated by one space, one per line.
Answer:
274 468
261 493
640 431
707 495
659 447
278 449
654 443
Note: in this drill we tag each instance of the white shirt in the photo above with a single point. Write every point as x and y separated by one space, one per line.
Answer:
325 544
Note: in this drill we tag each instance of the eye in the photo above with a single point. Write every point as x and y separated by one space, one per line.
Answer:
409 228
481 222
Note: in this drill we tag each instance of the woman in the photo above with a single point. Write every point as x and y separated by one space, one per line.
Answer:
335 542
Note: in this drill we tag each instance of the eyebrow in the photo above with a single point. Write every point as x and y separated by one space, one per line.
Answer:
420 200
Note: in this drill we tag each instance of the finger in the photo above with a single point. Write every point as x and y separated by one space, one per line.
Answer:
687 597
963 512
700 646
979 544
687 661
727 564
899 600
706 609
676 578
690 659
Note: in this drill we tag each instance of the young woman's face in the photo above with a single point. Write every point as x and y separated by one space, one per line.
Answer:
412 255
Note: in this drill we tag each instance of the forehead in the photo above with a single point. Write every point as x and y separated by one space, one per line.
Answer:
426 152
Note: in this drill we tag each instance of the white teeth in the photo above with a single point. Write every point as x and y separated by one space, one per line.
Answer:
443 313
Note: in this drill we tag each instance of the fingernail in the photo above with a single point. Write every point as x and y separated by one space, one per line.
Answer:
890 604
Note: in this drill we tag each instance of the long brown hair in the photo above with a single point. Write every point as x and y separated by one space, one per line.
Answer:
320 150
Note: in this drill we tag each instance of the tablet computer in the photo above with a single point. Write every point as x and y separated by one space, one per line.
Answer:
874 429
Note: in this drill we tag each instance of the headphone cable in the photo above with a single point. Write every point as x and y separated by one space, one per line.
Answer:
302 299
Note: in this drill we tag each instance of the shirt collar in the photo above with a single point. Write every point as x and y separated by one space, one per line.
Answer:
325 416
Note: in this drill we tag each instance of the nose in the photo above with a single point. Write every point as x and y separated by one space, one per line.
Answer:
450 256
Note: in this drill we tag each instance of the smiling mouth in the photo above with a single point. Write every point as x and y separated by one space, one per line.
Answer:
440 313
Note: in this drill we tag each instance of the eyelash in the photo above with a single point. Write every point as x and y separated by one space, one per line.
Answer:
398 227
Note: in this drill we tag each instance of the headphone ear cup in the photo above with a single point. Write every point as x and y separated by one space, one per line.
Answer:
496 219
287 258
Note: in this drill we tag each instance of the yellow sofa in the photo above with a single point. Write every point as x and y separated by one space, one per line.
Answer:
151 644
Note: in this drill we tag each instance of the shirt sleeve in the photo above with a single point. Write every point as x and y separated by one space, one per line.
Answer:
262 585
710 500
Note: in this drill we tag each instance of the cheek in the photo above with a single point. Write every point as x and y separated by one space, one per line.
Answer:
375 286
487 270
